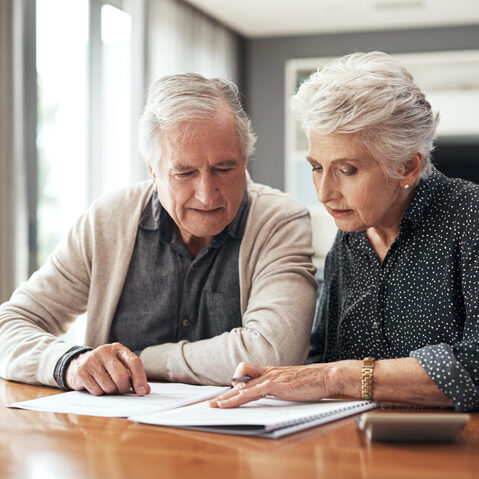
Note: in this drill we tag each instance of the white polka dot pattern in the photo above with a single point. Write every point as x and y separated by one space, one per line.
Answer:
422 301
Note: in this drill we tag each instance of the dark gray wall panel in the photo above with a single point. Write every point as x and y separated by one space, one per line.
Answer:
265 61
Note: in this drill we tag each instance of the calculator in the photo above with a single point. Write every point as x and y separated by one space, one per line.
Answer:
412 427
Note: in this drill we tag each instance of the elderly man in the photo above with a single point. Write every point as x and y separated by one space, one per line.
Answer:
181 277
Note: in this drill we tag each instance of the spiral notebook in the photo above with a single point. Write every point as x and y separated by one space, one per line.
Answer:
269 418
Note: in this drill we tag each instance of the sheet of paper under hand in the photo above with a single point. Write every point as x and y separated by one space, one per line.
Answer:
163 396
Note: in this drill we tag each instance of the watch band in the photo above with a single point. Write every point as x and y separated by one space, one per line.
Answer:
367 371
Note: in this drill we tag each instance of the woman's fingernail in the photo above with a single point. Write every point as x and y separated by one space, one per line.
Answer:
141 391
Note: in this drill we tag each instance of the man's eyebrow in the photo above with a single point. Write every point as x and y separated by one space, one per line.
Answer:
226 163
180 169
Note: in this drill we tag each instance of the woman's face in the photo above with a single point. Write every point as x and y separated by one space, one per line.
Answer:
352 185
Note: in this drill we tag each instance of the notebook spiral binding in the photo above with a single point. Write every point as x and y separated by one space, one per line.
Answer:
313 417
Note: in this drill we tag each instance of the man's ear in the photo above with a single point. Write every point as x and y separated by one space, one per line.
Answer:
412 170
152 173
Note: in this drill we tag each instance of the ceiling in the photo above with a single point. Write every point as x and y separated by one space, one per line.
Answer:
266 18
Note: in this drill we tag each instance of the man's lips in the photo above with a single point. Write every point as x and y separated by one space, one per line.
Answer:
337 213
208 211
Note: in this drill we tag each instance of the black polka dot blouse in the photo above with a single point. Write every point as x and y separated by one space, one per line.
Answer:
422 301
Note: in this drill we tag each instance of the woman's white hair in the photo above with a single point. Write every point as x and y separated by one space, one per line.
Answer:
178 99
372 95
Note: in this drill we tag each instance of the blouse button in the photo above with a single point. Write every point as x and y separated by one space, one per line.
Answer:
185 323
375 325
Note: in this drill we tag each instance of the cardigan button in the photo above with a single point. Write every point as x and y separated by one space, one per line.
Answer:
185 323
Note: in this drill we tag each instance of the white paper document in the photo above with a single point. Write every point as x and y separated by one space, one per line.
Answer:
163 396
271 418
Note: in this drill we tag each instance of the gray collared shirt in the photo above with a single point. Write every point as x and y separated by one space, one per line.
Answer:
168 296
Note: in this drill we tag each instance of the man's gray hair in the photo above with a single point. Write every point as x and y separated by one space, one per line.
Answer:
189 97
373 95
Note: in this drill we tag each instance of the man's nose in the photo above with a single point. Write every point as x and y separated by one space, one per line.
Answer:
206 190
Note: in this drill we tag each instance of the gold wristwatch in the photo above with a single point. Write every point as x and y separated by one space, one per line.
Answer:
367 379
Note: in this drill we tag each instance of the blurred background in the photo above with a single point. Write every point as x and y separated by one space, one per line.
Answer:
74 76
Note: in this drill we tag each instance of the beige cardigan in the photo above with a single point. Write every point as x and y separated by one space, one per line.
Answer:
87 271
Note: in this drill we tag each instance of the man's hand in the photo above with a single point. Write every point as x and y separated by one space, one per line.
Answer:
293 383
111 369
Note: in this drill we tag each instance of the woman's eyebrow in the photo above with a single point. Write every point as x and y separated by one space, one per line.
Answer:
337 160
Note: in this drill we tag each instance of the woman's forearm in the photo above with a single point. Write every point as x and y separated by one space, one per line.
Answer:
397 380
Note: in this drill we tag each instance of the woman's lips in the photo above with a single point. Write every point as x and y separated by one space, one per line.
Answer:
339 213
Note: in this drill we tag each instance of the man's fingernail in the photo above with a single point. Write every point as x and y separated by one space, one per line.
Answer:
141 391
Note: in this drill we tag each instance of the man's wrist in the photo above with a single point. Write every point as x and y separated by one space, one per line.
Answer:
59 374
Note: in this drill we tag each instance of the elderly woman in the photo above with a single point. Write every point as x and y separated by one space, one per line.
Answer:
398 317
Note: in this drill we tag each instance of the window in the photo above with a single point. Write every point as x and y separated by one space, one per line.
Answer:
62 41
89 98
110 122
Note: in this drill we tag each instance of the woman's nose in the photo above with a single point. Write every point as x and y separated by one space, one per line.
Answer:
325 189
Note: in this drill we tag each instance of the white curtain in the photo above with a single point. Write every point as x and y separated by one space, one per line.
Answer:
181 39
17 141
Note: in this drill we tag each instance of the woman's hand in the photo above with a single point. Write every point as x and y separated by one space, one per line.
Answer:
401 380
292 383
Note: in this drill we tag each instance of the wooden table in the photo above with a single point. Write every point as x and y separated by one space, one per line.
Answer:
38 445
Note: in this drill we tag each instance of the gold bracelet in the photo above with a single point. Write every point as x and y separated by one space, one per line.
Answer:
367 379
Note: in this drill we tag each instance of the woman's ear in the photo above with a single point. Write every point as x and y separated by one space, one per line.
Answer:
412 170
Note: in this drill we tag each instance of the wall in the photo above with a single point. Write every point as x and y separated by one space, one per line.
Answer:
264 66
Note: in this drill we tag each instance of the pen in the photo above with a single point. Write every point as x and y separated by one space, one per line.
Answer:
242 379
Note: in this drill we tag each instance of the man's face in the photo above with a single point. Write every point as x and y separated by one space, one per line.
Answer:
200 178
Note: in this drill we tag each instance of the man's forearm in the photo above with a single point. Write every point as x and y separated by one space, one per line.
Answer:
213 361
